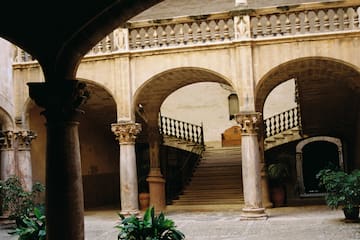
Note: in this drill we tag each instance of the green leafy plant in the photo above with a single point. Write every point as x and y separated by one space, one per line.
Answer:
33 227
16 200
342 189
278 172
150 227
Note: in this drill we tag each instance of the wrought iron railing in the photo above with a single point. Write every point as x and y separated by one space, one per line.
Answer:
182 130
282 122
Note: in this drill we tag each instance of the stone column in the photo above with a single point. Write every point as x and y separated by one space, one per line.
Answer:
8 166
155 179
64 189
126 135
251 166
23 157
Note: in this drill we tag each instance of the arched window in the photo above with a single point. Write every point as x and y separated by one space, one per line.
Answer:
233 105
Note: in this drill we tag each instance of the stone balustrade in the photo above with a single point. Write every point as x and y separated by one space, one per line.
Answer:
223 29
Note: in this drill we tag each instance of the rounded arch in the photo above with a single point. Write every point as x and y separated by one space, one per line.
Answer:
300 158
154 91
7 122
306 66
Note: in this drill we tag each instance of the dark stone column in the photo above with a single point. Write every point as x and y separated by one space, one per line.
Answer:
155 178
64 190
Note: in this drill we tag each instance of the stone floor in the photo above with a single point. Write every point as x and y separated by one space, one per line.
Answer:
295 223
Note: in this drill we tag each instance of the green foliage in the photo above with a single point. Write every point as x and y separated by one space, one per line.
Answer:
33 227
278 172
342 189
150 227
16 200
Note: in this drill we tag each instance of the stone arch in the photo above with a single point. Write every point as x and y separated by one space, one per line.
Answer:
166 82
299 156
7 122
98 146
296 67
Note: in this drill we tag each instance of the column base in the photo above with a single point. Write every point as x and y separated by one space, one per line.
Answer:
253 214
157 190
128 213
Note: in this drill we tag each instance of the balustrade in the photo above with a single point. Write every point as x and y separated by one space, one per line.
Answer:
282 122
182 130
223 30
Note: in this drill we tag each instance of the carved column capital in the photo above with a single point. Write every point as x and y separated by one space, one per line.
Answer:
6 139
60 98
249 122
24 138
126 132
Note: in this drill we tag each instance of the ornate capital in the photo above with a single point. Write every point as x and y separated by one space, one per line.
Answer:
126 132
249 122
24 138
6 139
60 99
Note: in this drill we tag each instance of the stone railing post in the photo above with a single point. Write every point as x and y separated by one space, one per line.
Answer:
251 164
126 133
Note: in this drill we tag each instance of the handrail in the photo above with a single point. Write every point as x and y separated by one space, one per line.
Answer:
182 130
282 122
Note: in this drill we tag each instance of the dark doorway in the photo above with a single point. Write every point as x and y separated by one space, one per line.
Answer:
316 156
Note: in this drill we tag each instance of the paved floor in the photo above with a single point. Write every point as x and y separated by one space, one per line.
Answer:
295 223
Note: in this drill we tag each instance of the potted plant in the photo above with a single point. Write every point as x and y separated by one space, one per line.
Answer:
151 226
342 189
144 196
277 173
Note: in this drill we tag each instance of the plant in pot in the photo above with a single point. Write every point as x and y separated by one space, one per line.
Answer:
342 190
151 226
278 173
144 196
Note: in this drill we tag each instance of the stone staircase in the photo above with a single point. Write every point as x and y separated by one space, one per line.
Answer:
287 136
216 181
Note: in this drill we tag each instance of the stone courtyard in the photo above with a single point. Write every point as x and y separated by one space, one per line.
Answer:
316 222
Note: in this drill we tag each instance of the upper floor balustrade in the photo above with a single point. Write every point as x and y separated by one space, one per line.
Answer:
223 28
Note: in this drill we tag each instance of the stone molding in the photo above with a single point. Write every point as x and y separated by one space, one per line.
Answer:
249 122
126 132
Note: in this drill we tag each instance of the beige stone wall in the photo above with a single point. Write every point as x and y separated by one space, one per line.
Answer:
280 99
198 103
6 79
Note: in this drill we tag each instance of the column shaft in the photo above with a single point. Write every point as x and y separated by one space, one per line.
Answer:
8 166
64 190
126 135
251 166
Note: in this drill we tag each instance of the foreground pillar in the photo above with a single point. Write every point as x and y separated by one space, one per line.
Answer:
251 159
23 157
126 135
64 189
7 155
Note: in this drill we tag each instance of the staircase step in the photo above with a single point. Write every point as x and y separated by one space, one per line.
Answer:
216 180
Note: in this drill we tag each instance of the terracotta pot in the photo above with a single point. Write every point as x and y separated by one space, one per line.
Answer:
278 195
144 200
